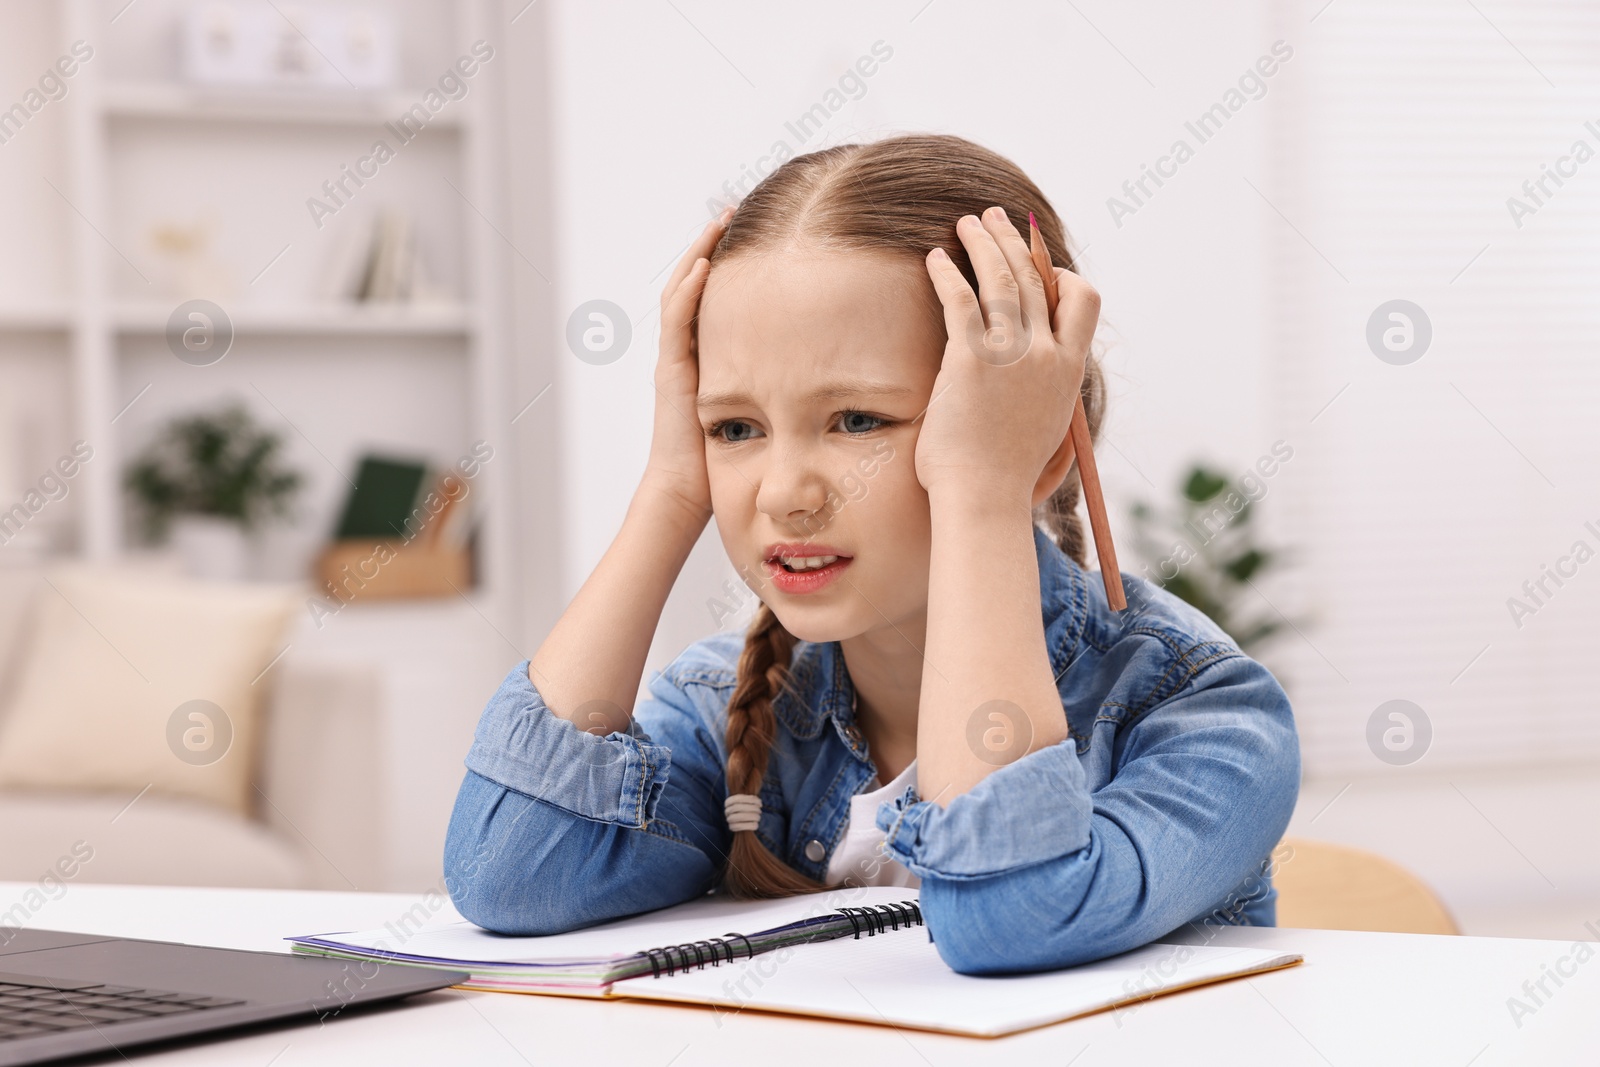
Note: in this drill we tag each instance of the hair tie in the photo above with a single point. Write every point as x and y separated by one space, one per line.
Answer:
743 811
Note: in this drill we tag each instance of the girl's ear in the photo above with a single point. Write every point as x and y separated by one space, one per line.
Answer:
1055 471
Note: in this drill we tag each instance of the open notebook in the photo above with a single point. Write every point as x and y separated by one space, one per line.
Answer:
878 964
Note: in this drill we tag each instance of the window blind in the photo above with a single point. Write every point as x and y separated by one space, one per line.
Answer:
1411 160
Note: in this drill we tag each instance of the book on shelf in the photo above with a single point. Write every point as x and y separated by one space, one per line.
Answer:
405 531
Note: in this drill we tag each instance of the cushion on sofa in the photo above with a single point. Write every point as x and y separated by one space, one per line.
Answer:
134 679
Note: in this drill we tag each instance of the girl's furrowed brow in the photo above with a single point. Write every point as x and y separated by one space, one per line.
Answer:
837 390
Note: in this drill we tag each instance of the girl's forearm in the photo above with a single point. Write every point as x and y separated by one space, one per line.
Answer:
988 695
588 668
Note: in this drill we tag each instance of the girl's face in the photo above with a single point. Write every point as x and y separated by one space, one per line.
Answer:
815 369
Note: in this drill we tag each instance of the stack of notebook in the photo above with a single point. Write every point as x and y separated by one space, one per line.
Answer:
860 954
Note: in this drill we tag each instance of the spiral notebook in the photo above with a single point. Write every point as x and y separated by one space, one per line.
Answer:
861 954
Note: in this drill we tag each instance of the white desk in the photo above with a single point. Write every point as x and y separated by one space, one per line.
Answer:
1358 1000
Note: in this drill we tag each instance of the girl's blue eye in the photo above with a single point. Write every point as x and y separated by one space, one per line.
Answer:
737 431
859 422
733 431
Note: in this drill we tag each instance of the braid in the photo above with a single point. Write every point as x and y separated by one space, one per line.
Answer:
752 870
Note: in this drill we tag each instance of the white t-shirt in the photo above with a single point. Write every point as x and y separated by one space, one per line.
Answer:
860 857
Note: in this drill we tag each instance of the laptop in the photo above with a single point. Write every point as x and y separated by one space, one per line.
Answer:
67 994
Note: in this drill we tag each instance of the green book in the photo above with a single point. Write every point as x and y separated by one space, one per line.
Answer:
385 493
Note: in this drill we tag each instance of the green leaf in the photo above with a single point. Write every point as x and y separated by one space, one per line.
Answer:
1203 484
1244 567
218 463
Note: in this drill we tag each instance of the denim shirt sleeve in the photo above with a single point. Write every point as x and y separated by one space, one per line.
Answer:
555 828
1031 870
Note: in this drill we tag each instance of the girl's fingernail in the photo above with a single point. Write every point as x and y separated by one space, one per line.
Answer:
1033 223
940 254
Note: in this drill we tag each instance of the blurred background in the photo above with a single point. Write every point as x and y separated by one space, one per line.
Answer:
326 341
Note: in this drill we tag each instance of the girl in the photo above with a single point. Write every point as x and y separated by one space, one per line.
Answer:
860 380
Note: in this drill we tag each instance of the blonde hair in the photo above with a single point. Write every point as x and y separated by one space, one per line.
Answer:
900 196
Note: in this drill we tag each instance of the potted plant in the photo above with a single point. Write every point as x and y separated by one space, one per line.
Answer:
1202 548
209 482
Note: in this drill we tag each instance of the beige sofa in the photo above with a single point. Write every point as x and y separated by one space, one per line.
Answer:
317 791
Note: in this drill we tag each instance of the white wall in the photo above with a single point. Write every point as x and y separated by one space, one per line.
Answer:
1429 492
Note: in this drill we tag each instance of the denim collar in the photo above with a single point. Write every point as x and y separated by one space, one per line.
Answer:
820 689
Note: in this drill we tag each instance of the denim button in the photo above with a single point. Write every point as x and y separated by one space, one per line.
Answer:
815 851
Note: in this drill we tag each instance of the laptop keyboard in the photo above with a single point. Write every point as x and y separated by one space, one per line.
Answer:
27 1010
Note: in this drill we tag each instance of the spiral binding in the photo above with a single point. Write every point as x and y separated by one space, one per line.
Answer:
673 958
670 959
874 920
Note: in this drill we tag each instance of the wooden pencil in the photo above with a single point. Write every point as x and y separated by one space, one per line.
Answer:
1082 445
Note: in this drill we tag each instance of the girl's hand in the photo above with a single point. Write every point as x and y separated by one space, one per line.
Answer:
677 464
1003 399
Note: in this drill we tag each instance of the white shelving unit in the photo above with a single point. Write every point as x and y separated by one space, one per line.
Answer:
444 319
106 328
132 99
129 147
40 318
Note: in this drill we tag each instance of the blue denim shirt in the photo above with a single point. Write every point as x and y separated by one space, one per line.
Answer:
1160 809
